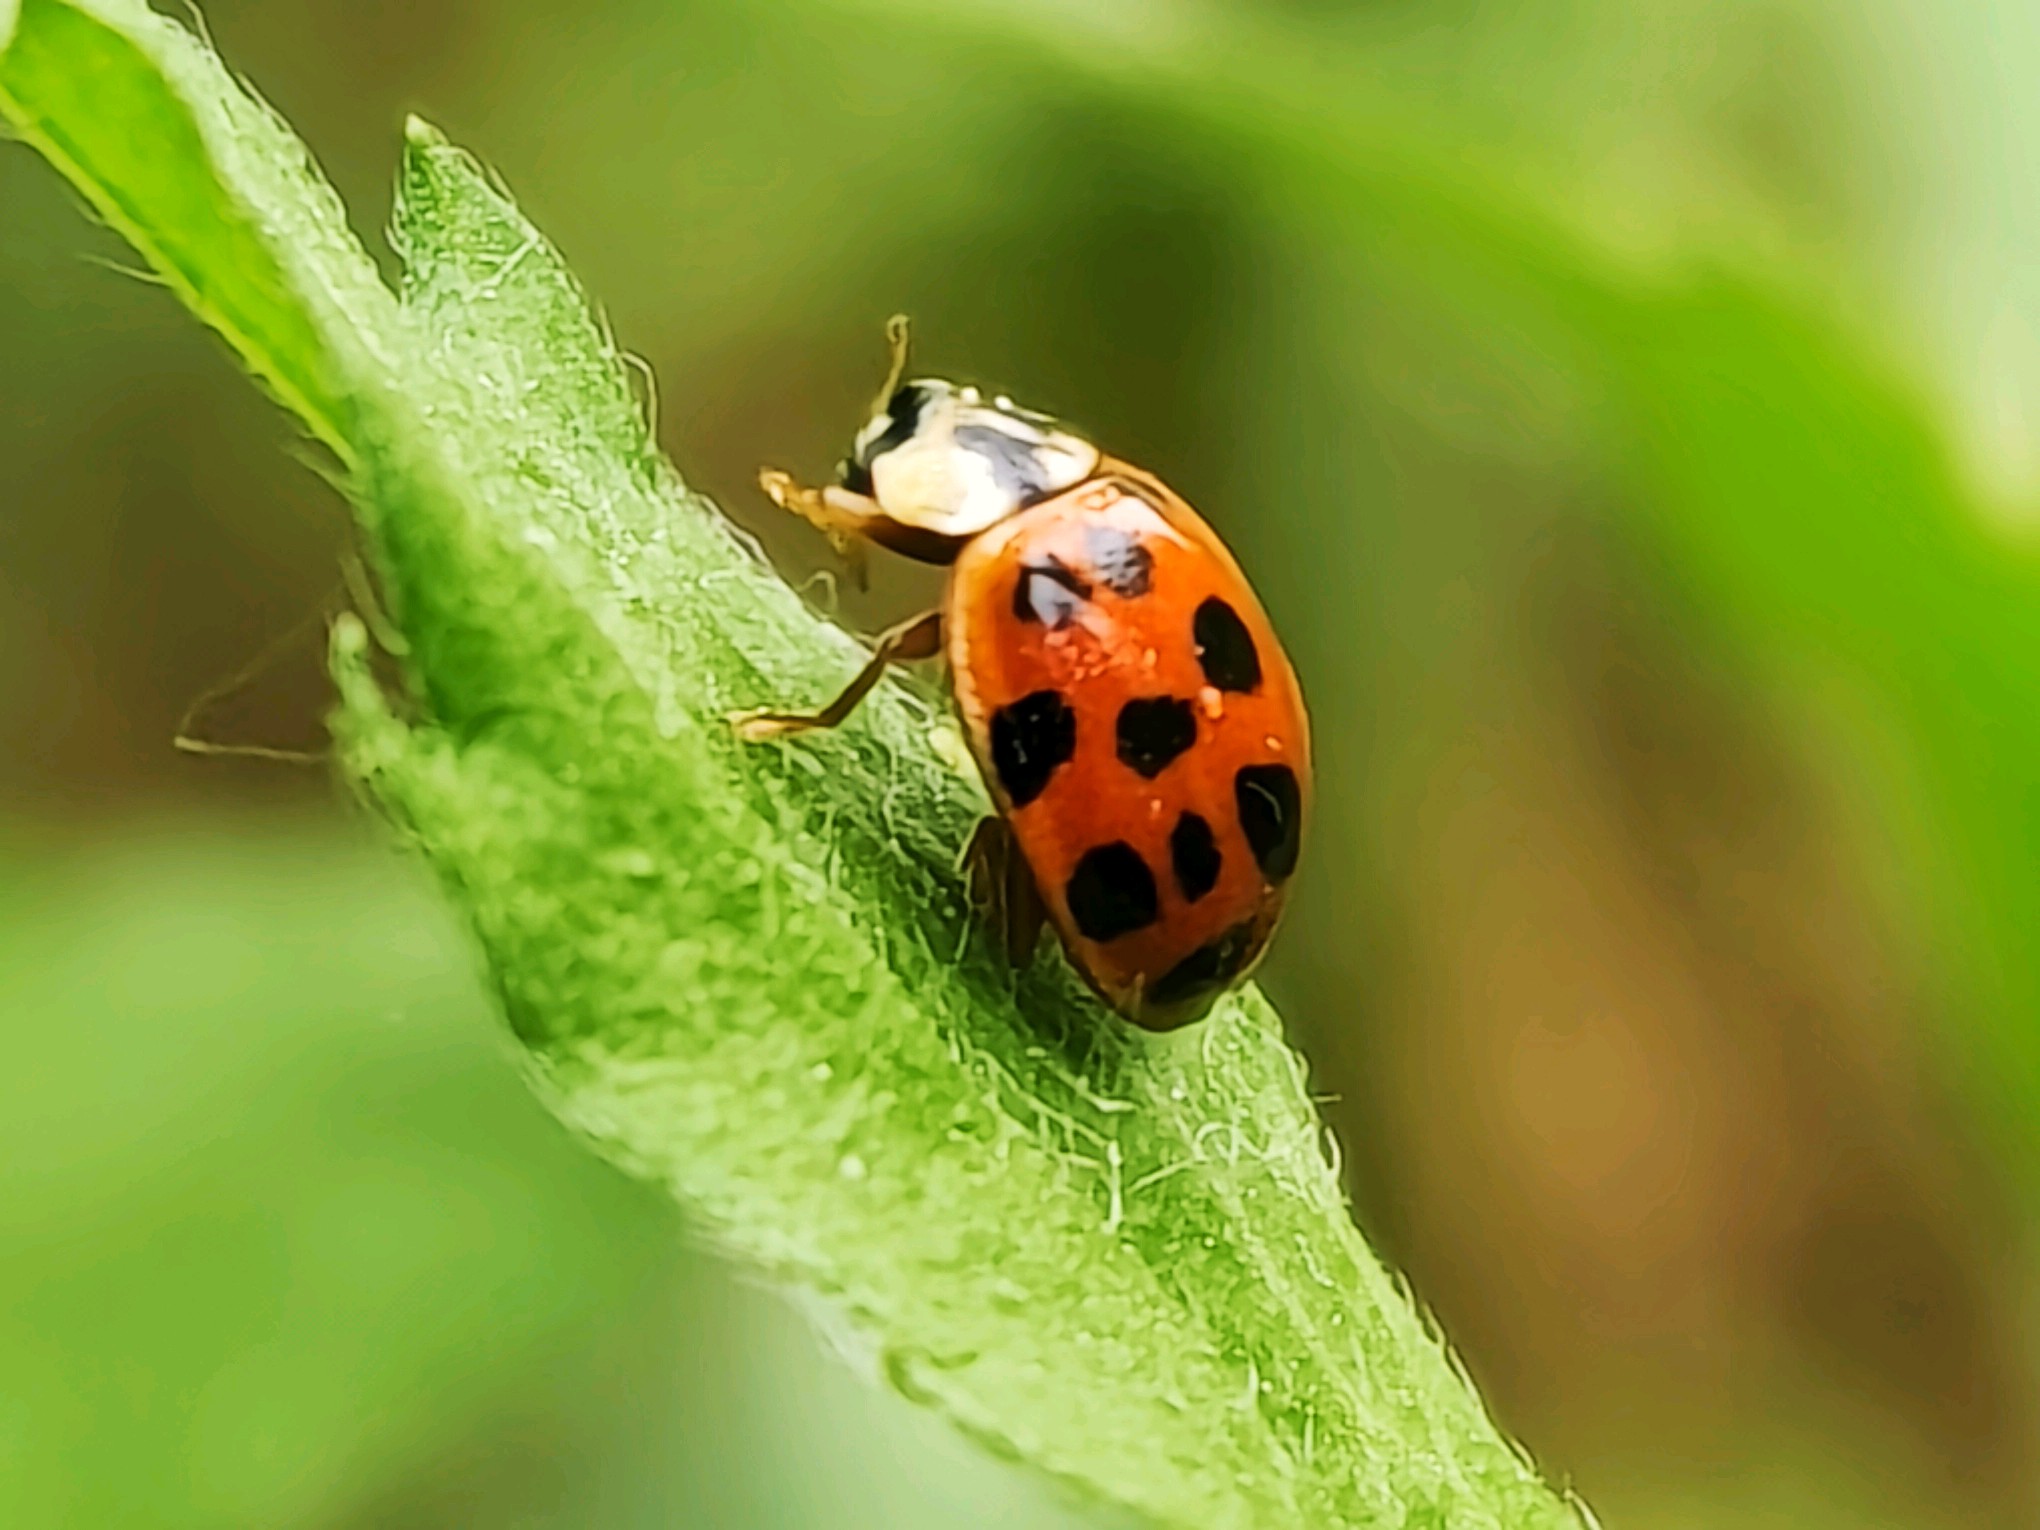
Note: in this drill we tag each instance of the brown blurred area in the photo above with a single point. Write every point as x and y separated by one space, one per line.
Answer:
1607 960
1653 957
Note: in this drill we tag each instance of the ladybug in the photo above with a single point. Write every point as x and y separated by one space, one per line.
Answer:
1134 717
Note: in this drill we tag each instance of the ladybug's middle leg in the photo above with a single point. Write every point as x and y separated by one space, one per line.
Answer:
920 638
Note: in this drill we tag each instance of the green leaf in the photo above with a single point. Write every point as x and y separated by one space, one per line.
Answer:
751 973
209 186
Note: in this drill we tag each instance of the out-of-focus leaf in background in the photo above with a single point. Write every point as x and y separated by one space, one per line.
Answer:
1605 449
284 1242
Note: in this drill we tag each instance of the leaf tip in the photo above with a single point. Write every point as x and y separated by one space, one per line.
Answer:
418 133
350 636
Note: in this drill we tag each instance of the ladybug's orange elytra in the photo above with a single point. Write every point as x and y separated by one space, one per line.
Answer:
1135 718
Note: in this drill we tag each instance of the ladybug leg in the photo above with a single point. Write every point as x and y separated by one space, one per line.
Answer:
920 638
1002 887
841 516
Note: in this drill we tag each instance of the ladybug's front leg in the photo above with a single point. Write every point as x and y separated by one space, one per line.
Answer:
843 517
920 638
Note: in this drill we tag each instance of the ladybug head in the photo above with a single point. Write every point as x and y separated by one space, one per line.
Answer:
942 458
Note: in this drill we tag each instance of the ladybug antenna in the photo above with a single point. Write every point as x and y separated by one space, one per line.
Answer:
896 344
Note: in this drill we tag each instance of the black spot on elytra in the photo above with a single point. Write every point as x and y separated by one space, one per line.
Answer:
1049 592
1153 731
902 415
1271 813
1225 649
1031 740
1112 892
1122 564
1206 972
1194 856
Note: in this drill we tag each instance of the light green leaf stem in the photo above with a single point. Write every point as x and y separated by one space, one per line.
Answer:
751 973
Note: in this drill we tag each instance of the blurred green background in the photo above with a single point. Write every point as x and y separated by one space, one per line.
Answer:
1631 414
